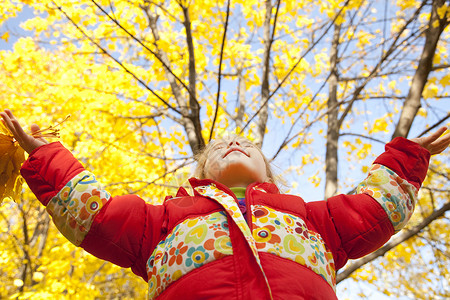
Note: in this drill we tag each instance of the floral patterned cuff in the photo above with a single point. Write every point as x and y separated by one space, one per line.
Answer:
73 209
396 195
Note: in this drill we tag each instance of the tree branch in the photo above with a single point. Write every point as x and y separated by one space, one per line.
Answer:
363 136
306 127
396 240
435 125
287 140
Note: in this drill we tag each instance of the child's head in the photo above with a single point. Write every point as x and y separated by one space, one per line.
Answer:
233 161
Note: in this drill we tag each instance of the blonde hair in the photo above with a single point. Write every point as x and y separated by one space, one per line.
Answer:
202 156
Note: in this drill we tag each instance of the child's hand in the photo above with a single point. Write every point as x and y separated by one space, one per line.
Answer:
27 141
435 143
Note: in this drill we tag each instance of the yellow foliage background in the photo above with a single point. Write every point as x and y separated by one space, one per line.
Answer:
134 143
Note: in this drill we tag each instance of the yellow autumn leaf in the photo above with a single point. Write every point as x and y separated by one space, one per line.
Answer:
11 158
445 80
443 10
5 36
18 282
430 91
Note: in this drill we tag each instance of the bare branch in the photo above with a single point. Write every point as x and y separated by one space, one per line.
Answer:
25 248
306 127
153 182
436 189
161 7
440 67
91 280
363 136
395 241
439 173
239 119
287 140
435 125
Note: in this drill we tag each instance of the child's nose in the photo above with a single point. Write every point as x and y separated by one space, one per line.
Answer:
233 143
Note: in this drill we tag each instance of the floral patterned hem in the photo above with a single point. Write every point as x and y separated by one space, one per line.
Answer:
287 236
190 245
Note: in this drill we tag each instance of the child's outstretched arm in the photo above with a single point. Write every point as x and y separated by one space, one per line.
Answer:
355 225
120 229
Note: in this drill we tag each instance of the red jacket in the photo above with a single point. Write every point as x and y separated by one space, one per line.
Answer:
200 246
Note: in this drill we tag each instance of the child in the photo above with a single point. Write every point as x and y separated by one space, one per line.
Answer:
253 243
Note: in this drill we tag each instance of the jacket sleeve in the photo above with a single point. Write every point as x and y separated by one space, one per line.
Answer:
119 229
356 225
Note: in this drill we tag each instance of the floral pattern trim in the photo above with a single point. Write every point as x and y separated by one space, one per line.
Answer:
287 236
74 207
396 195
190 245
231 207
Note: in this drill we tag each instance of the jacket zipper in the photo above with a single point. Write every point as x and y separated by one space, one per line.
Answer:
248 208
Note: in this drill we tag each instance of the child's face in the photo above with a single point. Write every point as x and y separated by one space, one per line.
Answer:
235 162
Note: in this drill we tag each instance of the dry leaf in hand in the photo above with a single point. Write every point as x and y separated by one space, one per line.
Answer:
12 157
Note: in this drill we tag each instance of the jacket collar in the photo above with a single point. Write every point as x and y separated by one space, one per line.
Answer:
266 187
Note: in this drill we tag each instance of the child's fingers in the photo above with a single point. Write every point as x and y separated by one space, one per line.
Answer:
10 115
8 122
19 133
443 142
443 139
18 128
435 135
3 116
13 124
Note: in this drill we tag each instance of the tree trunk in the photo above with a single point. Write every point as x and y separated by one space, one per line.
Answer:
263 114
190 119
196 140
241 99
331 159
